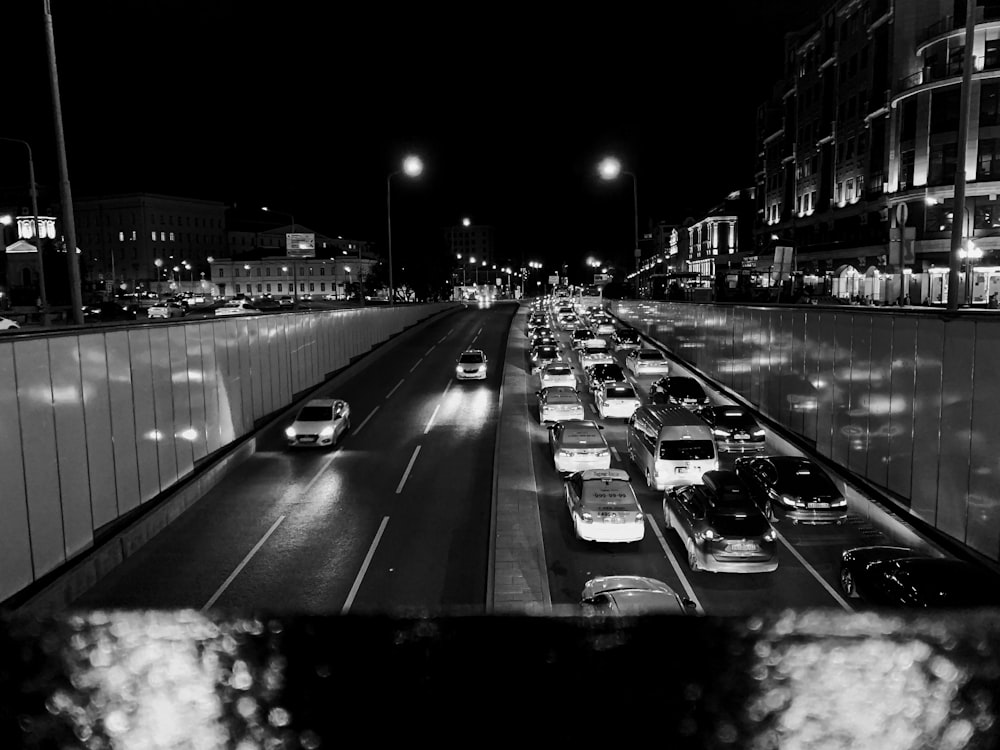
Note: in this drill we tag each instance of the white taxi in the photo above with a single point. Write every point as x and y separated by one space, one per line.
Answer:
616 400
603 506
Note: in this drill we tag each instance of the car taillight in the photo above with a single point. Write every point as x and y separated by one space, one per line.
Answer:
770 535
586 517
602 453
639 518
720 433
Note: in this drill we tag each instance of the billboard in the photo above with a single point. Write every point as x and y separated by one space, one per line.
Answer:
300 245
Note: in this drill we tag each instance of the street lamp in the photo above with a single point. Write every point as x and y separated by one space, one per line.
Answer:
159 267
609 169
412 167
347 270
969 254
33 191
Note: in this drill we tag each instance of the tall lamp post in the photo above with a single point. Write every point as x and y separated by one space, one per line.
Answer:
412 167
609 169
33 190
295 265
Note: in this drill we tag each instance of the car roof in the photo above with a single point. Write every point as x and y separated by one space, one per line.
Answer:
473 351
606 584
611 475
560 390
323 402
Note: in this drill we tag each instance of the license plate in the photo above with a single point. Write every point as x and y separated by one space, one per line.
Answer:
681 469
742 547
309 439
817 505
742 436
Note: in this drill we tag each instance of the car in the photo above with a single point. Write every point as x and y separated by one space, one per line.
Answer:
541 340
321 422
576 445
568 321
559 403
616 400
540 330
721 527
625 339
539 356
603 326
603 506
595 355
629 595
285 301
793 488
581 336
6 324
236 307
556 373
166 310
678 389
647 362
104 312
471 365
887 576
734 428
603 372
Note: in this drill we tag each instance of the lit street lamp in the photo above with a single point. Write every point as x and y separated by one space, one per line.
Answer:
609 169
969 254
412 167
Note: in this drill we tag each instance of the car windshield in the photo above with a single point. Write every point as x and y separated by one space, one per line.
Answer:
595 350
620 391
558 370
316 414
562 397
608 494
685 388
687 450
547 351
628 336
804 479
749 524
471 358
737 420
651 355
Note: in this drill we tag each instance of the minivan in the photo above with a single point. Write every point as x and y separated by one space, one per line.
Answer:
670 445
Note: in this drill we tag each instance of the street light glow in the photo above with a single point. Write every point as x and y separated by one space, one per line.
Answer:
466 222
412 166
609 168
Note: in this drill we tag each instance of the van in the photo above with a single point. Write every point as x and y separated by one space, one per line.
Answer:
670 445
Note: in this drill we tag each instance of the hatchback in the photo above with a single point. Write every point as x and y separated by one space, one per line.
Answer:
578 445
320 423
793 488
603 506
471 365
166 310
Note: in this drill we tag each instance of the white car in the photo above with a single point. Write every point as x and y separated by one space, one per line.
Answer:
595 355
647 362
616 401
321 422
632 595
471 365
556 373
603 506
166 310
6 324
604 327
577 445
559 403
236 307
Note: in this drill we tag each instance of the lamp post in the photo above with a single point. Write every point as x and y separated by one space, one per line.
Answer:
609 169
33 191
347 270
969 254
295 268
412 167
159 269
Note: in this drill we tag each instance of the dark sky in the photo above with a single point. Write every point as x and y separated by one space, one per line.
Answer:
307 107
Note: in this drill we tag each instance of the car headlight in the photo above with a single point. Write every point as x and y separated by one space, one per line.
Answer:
710 534
789 500
290 432
326 431
842 503
720 433
770 535
458 368
758 433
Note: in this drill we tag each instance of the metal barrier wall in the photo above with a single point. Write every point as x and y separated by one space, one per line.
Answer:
94 423
906 399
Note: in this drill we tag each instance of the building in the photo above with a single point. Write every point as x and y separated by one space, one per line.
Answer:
283 276
865 119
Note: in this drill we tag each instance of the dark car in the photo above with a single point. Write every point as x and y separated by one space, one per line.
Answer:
104 312
601 373
793 488
582 335
540 355
541 340
734 428
626 338
720 525
884 576
678 389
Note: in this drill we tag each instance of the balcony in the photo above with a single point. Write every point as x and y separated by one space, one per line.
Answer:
949 24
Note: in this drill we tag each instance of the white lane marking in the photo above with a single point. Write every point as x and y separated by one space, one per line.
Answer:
429 350
362 425
431 420
416 363
614 452
447 387
243 564
479 331
393 389
830 590
673 562
364 567
474 339
406 473
441 340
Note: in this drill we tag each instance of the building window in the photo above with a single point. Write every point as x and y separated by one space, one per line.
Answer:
992 57
121 236
153 236
322 286
279 286
988 109
268 271
850 191
267 288
220 272
906 160
943 159
840 192
237 288
989 159
312 287
945 110
172 237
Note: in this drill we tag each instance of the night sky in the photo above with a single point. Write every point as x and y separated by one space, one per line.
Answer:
309 106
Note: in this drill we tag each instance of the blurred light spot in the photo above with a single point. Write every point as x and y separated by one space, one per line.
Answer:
154 435
189 434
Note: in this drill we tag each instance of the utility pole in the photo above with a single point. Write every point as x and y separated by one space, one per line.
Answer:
958 204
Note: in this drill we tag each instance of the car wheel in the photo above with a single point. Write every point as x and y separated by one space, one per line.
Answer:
847 583
692 557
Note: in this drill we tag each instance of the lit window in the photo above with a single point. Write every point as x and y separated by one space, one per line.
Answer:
121 236
163 236
153 236
171 236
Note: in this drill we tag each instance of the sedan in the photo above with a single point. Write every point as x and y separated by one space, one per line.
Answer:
885 576
603 506
678 389
107 311
632 595
647 362
471 365
625 339
616 401
600 374
540 330
236 307
793 488
593 355
540 356
578 445
321 422
166 310
720 525
604 326
541 340
568 321
6 324
556 373
581 336
559 403
734 428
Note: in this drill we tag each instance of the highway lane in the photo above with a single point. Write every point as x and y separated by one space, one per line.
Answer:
808 556
396 518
